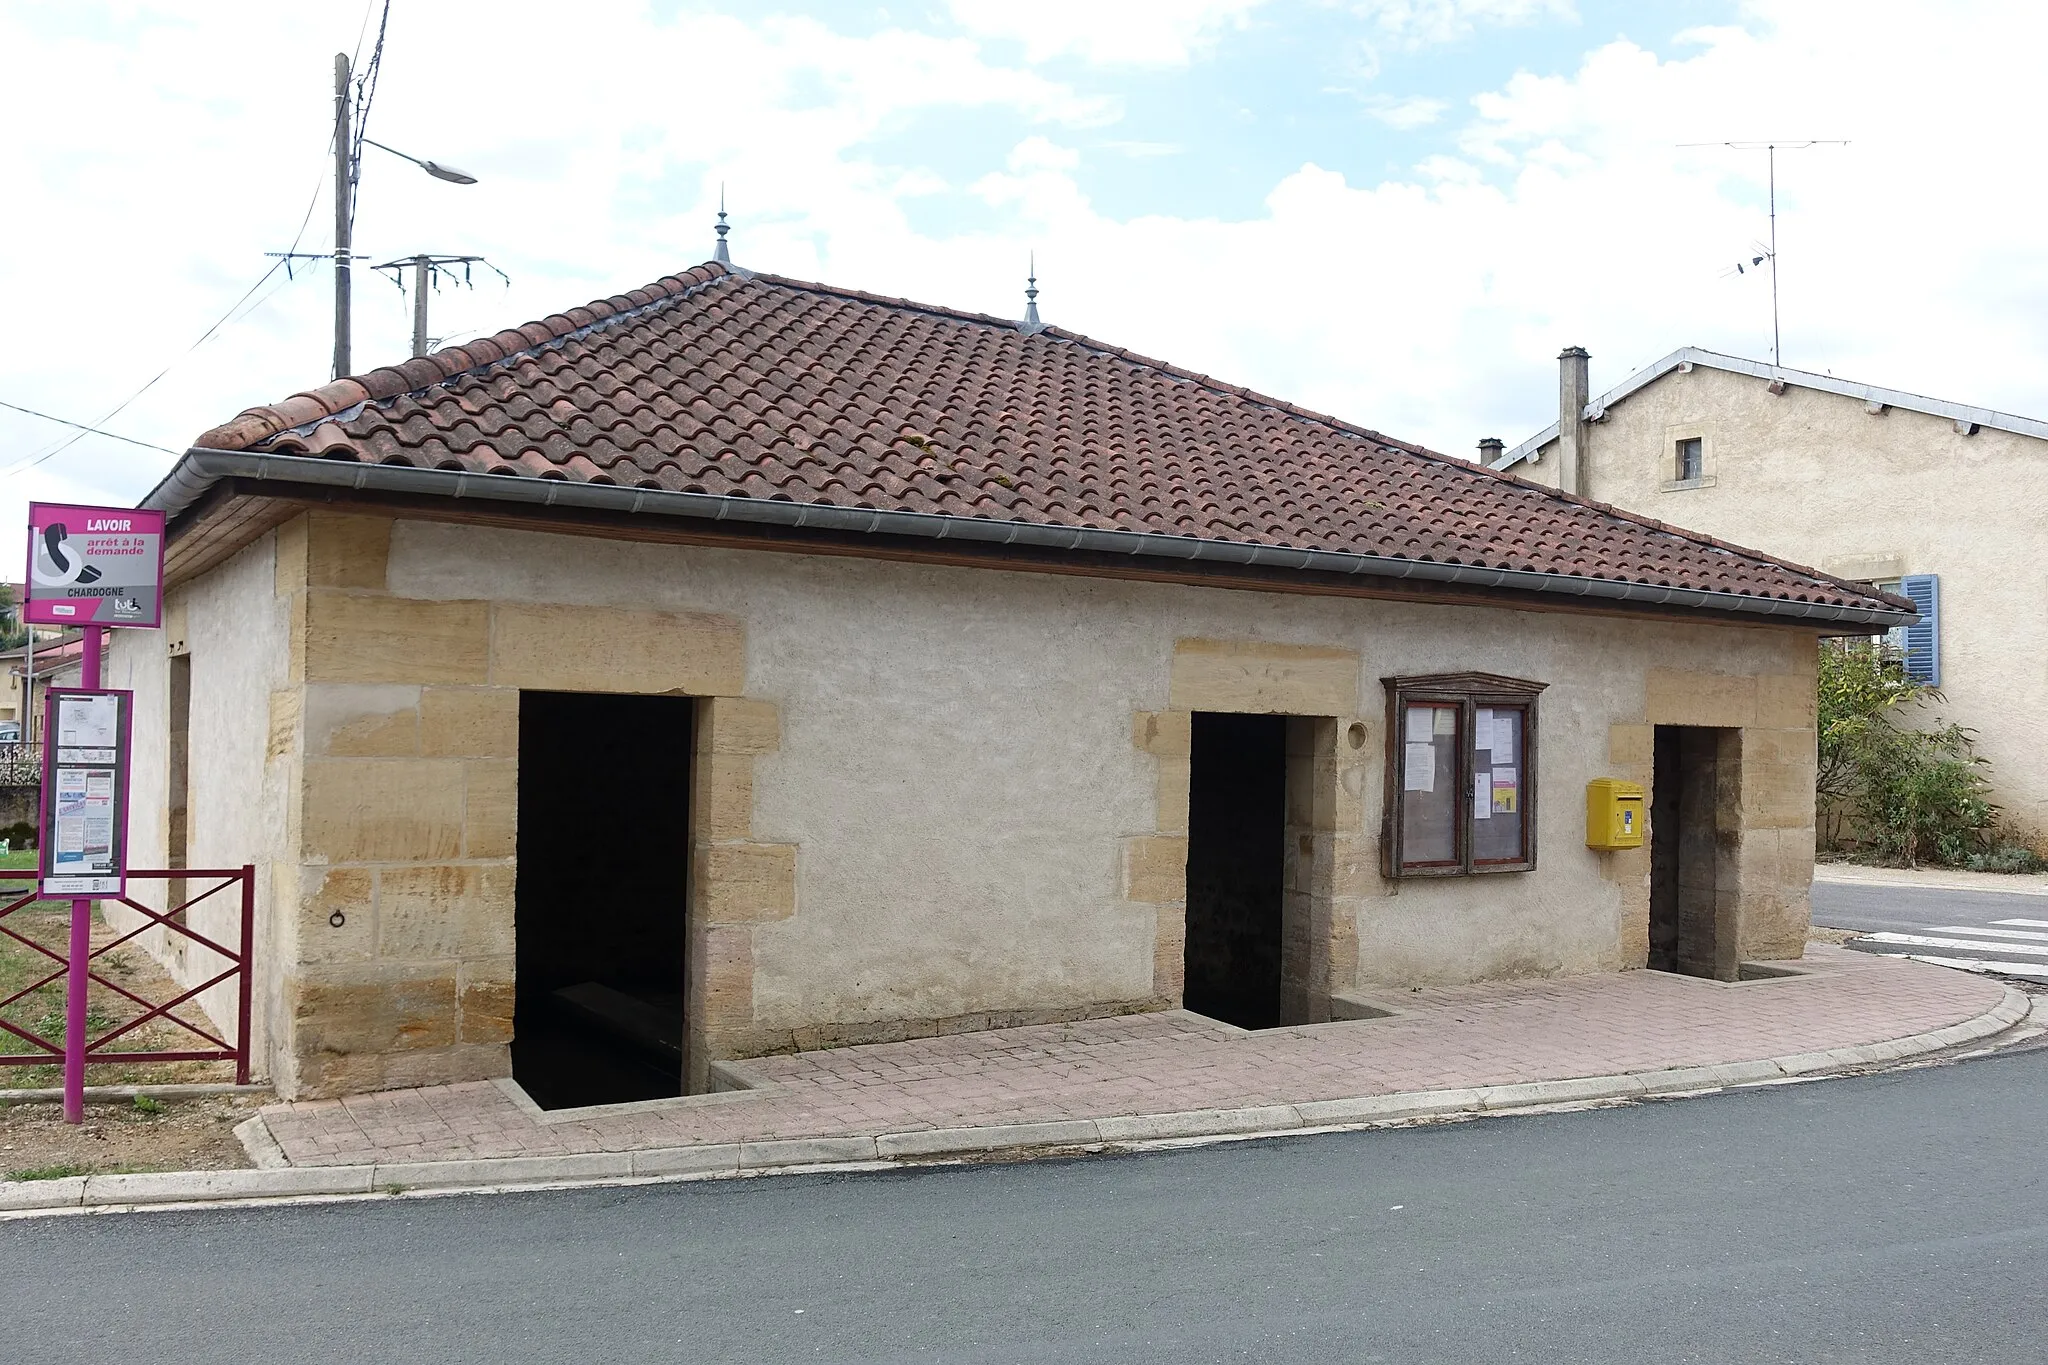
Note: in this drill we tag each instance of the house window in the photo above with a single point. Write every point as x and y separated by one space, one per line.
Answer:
1461 775
1692 464
1917 647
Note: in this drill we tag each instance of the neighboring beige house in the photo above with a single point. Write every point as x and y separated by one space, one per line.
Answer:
743 665
1943 502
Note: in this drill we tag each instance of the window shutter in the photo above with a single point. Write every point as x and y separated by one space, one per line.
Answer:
1923 640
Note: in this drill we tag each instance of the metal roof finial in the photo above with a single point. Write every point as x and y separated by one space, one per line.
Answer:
1031 322
719 253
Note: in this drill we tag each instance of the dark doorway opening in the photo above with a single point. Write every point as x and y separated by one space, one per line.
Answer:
1693 766
1237 854
604 813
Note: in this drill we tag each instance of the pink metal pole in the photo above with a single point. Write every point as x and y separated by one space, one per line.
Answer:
245 985
81 934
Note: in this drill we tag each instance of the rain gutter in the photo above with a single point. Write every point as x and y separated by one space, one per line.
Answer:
200 469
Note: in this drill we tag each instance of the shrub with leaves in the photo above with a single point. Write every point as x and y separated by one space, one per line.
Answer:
1914 794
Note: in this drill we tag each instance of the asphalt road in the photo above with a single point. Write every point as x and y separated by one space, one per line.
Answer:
1901 1217
2005 932
1915 909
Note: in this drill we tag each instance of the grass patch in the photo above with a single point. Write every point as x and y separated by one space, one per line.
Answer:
41 1011
48 1173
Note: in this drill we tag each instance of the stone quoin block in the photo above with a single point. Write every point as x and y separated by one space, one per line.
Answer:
490 817
351 638
1791 748
1718 700
1169 734
737 725
1156 869
1265 678
1175 776
608 649
324 1075
367 810
1169 953
322 892
448 1066
288 560
1786 701
722 799
427 913
487 992
745 883
722 976
469 722
287 704
1777 796
344 550
379 720
370 1010
1631 746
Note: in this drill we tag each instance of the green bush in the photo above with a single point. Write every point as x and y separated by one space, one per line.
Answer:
1911 794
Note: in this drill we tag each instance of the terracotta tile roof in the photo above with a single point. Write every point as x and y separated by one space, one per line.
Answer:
723 382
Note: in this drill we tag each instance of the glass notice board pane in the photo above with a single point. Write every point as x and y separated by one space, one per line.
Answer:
1429 784
1499 787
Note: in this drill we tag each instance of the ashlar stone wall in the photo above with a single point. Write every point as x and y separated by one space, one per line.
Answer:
398 958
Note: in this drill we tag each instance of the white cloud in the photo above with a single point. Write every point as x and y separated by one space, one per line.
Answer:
1406 113
1135 32
1429 305
158 155
1418 23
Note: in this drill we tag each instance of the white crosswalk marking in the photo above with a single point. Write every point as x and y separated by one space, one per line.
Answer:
2034 971
1929 941
1988 933
2024 923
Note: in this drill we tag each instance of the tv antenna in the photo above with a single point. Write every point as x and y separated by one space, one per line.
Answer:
1769 251
427 271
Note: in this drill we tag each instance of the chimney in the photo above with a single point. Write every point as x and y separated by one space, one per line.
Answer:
1490 449
1573 393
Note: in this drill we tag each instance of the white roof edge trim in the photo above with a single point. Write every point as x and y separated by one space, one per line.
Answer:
1805 379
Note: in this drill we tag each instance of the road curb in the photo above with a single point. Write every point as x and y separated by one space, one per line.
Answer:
106 1193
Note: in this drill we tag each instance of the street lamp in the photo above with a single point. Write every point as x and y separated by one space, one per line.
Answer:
344 204
433 168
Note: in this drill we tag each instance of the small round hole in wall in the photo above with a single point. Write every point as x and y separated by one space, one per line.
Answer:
1355 736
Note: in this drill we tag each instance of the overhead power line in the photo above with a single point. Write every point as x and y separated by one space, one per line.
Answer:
82 427
230 315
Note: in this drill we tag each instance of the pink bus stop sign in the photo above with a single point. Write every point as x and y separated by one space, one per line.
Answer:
90 567
94 566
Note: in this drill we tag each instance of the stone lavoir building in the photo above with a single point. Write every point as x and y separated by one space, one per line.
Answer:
742 665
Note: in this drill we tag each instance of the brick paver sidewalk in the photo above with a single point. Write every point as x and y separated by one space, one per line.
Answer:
1450 1037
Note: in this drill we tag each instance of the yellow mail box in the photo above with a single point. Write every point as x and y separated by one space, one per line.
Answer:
1615 815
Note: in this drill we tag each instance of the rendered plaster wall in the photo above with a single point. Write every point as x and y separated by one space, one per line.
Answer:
1818 479
979 779
924 798
237 632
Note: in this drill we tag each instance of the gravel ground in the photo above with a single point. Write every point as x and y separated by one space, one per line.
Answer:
184 1135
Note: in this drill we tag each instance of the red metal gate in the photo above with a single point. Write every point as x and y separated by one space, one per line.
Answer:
51 1050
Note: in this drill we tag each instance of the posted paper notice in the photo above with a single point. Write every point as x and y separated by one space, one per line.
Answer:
1419 768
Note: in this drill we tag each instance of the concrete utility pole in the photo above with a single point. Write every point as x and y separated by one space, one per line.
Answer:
424 268
344 196
1574 391
420 267
348 123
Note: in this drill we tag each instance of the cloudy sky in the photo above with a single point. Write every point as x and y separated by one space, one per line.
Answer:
1397 211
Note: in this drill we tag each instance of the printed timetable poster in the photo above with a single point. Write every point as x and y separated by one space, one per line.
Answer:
85 793
94 566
